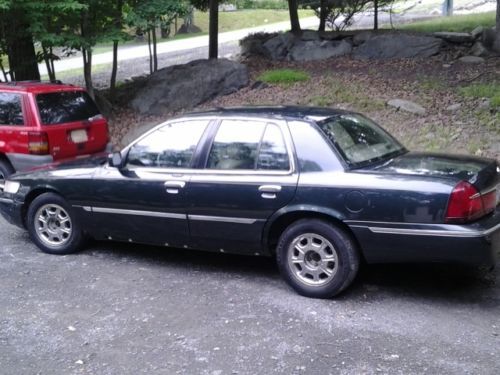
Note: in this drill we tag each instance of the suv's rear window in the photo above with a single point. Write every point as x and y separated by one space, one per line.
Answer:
67 106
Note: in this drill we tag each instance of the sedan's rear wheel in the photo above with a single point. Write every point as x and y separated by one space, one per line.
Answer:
52 225
317 259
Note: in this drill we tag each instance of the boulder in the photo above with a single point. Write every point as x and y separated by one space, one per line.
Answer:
478 49
471 60
253 44
361 37
277 48
185 86
455 37
190 29
477 32
407 106
398 45
308 35
310 51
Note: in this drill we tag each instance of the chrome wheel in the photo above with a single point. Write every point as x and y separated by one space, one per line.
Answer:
2 181
53 225
312 259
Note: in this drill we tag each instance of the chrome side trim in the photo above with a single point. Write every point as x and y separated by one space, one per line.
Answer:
6 200
437 233
138 213
223 219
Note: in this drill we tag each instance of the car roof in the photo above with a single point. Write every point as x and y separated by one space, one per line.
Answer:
283 112
37 86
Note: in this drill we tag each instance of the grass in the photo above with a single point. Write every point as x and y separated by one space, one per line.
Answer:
283 76
483 90
460 23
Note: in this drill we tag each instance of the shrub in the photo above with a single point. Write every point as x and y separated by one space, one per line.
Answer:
283 76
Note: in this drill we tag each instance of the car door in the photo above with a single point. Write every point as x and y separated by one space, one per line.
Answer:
249 174
145 200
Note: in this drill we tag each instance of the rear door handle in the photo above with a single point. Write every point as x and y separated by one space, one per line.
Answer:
173 187
269 191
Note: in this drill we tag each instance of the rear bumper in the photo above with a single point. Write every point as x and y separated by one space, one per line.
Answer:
475 244
11 211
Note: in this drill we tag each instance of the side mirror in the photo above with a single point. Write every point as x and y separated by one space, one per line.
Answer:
115 160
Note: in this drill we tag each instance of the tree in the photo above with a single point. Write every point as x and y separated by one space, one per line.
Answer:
148 15
293 9
213 26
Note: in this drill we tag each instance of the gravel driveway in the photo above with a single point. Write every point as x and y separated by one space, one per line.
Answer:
132 309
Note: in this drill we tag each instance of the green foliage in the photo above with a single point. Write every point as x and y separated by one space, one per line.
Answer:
459 23
148 14
261 4
283 76
483 90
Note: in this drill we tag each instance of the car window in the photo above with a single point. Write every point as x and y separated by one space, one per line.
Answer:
67 106
359 140
11 112
272 152
171 146
236 145
314 154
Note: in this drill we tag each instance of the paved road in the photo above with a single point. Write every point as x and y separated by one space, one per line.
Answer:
123 309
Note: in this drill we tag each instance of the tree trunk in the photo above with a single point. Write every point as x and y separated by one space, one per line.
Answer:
150 53
498 17
293 9
213 30
49 63
114 69
22 58
155 55
375 15
322 15
87 71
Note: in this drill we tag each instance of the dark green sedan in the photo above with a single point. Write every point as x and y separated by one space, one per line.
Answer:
320 189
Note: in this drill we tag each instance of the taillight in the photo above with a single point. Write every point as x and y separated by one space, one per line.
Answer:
467 204
38 143
489 201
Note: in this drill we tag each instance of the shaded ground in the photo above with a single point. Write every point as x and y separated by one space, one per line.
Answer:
132 309
365 86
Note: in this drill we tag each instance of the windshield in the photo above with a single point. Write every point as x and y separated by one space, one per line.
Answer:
359 140
66 106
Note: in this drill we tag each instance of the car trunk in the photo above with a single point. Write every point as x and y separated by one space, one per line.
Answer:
72 124
483 173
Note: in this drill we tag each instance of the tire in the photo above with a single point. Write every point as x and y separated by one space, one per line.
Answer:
5 171
52 225
316 258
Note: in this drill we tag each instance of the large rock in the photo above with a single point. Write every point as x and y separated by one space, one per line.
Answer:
455 37
479 50
277 48
185 86
388 46
315 50
471 60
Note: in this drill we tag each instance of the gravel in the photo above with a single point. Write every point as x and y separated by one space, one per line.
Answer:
132 309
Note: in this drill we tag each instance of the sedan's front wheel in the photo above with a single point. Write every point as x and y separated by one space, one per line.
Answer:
316 258
52 225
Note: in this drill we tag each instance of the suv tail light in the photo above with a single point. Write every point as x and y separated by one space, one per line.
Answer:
467 204
38 143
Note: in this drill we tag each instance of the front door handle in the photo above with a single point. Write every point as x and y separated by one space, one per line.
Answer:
173 187
269 191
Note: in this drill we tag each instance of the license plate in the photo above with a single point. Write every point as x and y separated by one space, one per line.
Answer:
79 136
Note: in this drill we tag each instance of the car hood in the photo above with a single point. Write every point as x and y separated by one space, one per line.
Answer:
479 171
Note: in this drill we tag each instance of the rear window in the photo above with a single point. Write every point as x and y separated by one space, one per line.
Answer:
68 106
359 140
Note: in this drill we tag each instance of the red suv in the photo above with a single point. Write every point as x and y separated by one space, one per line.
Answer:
45 122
